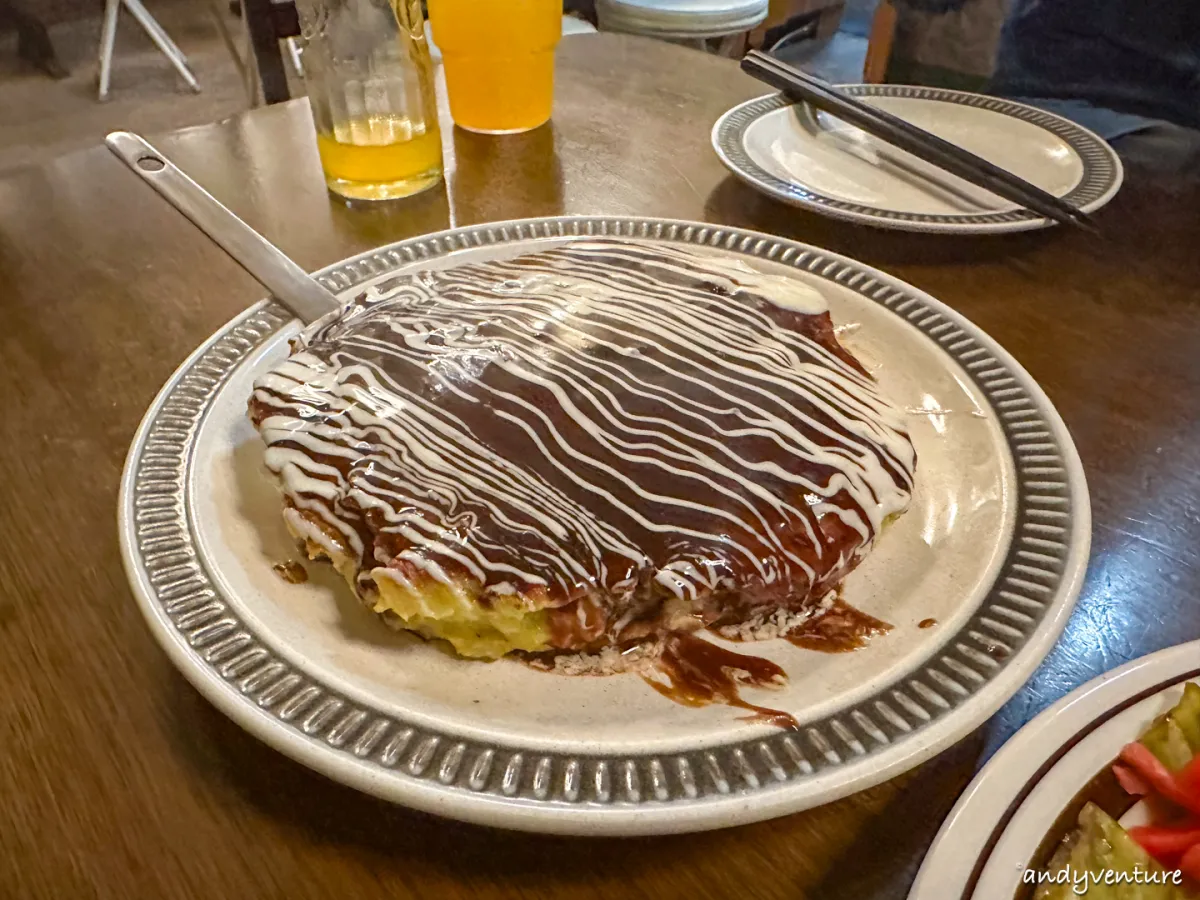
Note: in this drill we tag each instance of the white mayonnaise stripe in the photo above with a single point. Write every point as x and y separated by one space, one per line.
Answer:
611 442
572 473
644 522
450 479
734 402
549 375
684 338
436 453
745 377
707 461
452 438
671 447
724 308
564 374
704 460
477 562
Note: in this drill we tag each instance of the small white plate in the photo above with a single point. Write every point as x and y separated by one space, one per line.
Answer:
994 547
814 160
992 835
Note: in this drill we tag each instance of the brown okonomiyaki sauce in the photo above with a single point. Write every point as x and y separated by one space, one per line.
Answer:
699 672
839 629
692 671
291 571
927 623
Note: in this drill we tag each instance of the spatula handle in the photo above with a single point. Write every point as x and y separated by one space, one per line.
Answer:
290 284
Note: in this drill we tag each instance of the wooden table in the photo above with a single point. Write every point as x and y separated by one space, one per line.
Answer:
117 780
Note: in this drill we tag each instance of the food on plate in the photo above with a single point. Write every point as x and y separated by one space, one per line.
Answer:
582 448
1100 861
1174 739
1162 769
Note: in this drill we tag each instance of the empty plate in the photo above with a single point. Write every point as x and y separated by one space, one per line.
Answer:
811 159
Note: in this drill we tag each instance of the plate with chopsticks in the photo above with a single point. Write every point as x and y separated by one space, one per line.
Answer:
1038 167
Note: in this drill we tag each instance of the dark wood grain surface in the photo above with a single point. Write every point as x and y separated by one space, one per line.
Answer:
118 781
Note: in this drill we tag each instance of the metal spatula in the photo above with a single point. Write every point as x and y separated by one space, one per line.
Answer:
290 284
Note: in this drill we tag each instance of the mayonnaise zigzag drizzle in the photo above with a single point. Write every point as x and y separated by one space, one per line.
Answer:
619 433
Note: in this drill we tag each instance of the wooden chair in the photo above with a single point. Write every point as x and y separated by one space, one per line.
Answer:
268 22
879 43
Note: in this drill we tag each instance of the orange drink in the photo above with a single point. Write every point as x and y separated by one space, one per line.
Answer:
499 60
379 157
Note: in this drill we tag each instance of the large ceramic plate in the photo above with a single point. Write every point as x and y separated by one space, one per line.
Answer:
994 832
993 548
813 160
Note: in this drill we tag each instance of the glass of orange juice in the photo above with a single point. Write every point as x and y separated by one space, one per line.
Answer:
370 85
499 60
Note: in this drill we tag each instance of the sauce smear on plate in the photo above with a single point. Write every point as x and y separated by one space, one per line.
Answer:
291 572
699 672
839 629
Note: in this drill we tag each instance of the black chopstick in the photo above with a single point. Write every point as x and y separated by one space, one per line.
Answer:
908 137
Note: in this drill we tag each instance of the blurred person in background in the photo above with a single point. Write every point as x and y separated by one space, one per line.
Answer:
1127 69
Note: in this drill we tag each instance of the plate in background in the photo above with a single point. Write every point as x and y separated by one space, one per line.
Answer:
813 160
994 831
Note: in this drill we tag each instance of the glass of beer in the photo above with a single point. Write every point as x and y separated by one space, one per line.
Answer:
499 60
370 84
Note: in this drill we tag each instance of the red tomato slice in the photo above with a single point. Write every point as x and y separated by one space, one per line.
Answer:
1167 843
1130 781
1147 765
1190 864
1188 778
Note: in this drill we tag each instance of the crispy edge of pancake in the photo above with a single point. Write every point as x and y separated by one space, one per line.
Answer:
431 608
